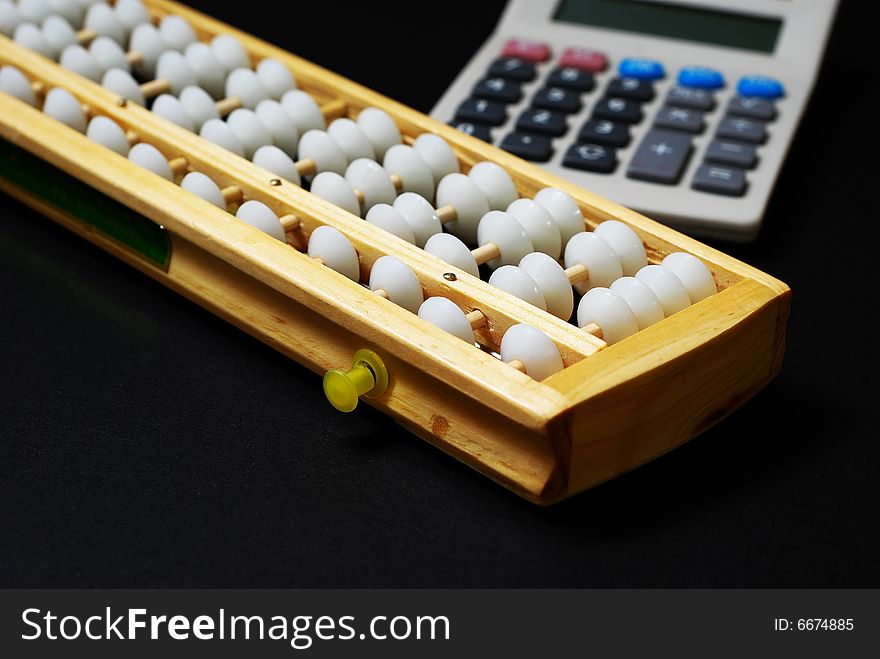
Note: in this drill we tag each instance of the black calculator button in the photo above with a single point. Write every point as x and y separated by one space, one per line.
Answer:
632 88
528 146
545 122
754 108
729 152
661 157
572 78
738 128
720 180
513 68
690 97
557 99
591 157
690 121
618 109
607 133
481 111
480 131
498 89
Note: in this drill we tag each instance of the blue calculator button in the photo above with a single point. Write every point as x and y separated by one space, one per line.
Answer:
701 77
644 69
760 86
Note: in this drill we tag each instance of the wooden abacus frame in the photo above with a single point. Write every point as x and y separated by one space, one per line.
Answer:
611 409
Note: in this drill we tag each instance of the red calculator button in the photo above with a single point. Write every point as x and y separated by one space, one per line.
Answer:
531 51
586 60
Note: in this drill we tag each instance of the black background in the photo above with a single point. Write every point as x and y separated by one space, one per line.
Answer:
144 442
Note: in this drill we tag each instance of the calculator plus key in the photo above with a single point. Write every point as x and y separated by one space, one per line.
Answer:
479 110
604 132
690 121
632 88
720 180
688 97
498 89
749 130
537 148
591 157
728 152
661 157
558 99
618 109
570 77
477 130
752 107
545 122
513 68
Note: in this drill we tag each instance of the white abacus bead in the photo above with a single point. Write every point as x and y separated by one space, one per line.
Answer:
552 282
58 33
102 19
437 154
14 83
372 180
469 202
609 311
275 77
380 129
209 71
626 244
272 158
592 252
147 41
108 54
77 59
495 183
533 348
448 248
108 133
303 110
351 139
35 11
60 104
31 37
177 32
667 287
391 220
121 82
317 145
69 10
218 132
419 214
150 158
245 84
540 226
393 276
202 186
414 173
249 130
10 17
502 230
334 249
518 283
641 300
131 13
447 315
169 107
173 67
564 211
199 105
259 215
335 189
693 273
230 53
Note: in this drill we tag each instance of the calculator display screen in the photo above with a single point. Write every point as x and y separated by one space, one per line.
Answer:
675 21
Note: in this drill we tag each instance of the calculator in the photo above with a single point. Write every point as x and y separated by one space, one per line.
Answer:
683 110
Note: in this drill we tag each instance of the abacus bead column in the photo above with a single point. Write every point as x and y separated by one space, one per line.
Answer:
445 314
393 276
120 82
372 180
245 84
380 129
60 104
199 105
564 211
693 273
538 224
533 348
102 19
218 132
276 77
176 32
333 248
448 248
77 59
72 10
146 40
249 130
173 67
303 111
501 230
335 189
130 13
10 17
351 139
35 11
318 146
209 71
108 54
391 220
518 283
229 51
169 107
58 33
609 311
420 216
280 126
272 158
108 133
414 173
469 202
31 37
495 184
592 252
258 215
626 244
641 300
552 282
667 287
14 83
437 154
202 186
150 158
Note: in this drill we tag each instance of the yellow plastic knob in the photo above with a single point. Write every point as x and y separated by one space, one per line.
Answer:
366 377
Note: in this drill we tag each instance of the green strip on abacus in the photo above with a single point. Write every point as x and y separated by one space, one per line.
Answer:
74 198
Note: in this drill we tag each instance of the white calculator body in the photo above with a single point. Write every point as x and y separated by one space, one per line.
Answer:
681 109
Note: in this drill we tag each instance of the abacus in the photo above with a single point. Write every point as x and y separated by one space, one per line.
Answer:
417 268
